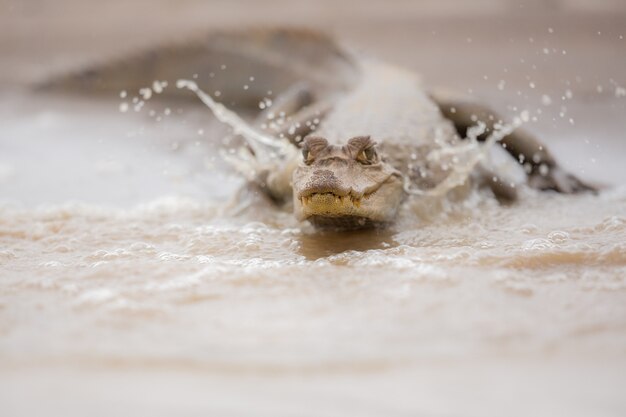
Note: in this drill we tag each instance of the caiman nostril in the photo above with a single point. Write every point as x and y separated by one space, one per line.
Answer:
323 181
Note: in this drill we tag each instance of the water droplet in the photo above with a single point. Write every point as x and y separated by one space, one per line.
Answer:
525 116
145 93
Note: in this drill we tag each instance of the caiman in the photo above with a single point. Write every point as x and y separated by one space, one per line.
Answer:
344 137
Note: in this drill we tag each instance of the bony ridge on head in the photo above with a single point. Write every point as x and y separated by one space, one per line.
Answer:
360 148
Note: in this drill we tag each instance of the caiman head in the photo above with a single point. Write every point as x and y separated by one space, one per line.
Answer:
347 187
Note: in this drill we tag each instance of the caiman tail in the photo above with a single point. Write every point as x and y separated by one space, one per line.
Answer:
242 65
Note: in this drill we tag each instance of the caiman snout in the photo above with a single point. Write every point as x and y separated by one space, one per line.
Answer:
324 181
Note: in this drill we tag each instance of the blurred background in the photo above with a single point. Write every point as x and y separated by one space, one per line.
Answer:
562 60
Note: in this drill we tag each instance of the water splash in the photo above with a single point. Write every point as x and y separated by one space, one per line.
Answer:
253 137
466 157
264 153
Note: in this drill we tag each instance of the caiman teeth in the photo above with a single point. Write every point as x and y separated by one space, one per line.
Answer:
339 199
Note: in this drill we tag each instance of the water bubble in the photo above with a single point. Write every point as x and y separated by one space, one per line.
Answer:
124 107
537 245
123 94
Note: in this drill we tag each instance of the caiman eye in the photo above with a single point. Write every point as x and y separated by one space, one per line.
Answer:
367 156
306 156
312 147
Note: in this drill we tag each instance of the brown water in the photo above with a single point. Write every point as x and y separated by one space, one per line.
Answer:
131 284
120 297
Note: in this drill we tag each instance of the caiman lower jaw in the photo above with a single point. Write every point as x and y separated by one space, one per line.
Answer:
344 222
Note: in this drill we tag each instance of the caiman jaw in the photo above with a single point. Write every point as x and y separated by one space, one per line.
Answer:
347 209
330 210
331 200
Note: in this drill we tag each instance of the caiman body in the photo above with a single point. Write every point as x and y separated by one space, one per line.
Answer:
388 111
367 130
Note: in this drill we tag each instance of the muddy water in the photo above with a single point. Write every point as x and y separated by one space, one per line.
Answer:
132 272
175 280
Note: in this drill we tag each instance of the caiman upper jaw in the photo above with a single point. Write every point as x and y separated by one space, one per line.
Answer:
356 209
334 201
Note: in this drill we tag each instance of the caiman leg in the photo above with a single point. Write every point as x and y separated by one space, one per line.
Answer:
543 171
294 114
287 103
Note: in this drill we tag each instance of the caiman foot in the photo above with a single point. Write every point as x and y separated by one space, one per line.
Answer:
556 179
